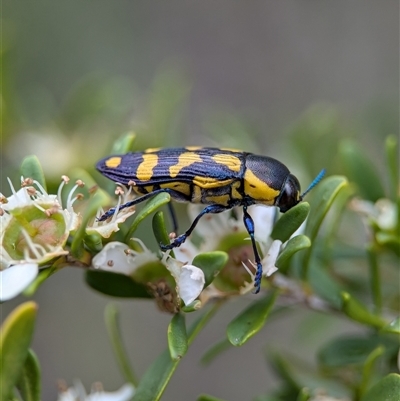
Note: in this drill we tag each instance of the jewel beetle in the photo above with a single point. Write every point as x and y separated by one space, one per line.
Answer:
218 178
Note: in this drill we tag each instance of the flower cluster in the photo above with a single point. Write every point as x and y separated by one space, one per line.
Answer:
34 228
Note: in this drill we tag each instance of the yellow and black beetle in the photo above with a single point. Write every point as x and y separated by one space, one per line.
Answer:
218 178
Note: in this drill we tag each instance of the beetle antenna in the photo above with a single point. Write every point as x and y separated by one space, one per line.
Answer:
316 181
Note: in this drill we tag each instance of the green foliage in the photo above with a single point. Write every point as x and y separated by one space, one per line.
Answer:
340 264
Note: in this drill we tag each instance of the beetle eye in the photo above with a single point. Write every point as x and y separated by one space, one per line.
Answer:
290 194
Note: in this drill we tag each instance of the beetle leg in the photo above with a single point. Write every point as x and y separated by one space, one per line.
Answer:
173 216
182 238
249 224
141 199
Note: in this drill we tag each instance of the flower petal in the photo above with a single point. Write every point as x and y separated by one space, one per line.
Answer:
263 217
190 284
125 393
15 279
270 259
113 258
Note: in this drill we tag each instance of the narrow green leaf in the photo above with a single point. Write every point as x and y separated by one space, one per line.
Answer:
293 246
160 229
16 335
322 200
29 382
356 311
206 397
290 221
392 157
387 389
31 168
368 367
211 263
251 320
158 375
215 350
99 199
323 197
111 316
123 144
361 171
150 207
115 284
393 327
177 337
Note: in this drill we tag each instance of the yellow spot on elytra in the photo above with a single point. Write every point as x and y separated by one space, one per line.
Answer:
230 161
208 182
185 160
145 169
258 189
113 162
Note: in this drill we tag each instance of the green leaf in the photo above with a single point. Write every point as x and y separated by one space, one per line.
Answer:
160 229
368 368
324 285
387 389
353 351
251 320
293 246
206 397
393 327
323 197
115 284
99 199
16 336
392 157
322 200
150 207
215 350
29 382
290 221
123 144
211 263
31 168
111 317
360 170
156 378
177 337
356 311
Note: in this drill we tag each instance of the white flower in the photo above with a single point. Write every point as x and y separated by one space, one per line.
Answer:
189 279
109 226
34 228
78 393
383 212
119 258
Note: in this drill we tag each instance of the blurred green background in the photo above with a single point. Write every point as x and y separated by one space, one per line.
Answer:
254 75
